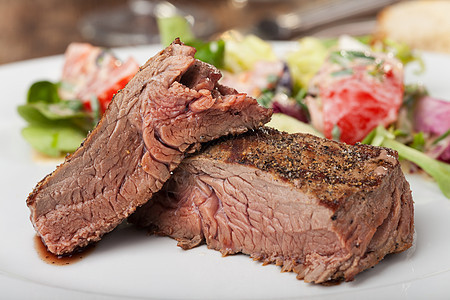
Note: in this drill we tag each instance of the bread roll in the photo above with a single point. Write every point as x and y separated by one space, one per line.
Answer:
421 24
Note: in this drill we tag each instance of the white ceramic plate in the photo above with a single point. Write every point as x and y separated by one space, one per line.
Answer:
129 264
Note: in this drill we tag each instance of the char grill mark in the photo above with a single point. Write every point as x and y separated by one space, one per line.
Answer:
252 194
172 105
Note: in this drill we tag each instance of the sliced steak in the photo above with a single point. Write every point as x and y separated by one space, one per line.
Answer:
172 105
323 209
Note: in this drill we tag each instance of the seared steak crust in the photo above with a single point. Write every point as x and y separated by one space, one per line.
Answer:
172 105
323 209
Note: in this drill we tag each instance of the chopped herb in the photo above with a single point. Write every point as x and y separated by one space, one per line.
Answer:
377 70
300 96
336 133
356 54
266 98
440 138
95 105
272 79
300 99
418 141
412 93
343 72
344 56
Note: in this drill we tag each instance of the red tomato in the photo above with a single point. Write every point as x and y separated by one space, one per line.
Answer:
356 101
93 72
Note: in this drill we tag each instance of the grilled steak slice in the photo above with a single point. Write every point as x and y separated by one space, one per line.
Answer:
320 208
172 105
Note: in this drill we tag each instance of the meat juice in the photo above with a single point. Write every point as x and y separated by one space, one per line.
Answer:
60 260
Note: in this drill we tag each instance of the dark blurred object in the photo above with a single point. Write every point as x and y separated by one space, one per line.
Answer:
35 28
135 22
316 14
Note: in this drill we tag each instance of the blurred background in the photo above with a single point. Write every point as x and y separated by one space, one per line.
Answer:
35 28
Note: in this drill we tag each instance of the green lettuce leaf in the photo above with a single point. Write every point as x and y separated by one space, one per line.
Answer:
53 140
438 170
306 61
242 52
55 126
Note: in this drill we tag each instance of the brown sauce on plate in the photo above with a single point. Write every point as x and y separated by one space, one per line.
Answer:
60 260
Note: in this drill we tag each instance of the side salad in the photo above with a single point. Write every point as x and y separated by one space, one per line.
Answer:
60 114
348 89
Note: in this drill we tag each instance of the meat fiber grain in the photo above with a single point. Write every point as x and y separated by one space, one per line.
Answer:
173 104
323 209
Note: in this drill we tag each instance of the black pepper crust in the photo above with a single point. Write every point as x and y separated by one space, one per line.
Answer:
330 170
